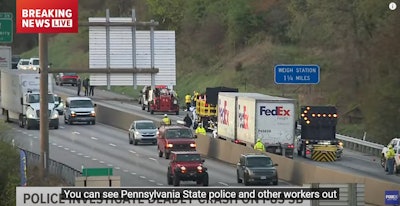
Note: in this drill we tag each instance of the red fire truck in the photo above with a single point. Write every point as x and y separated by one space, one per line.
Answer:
159 99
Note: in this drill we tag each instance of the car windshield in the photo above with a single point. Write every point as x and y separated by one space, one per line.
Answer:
259 162
24 62
35 62
179 133
145 125
35 98
81 104
188 158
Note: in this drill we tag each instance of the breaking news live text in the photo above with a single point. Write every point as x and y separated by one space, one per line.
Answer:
44 196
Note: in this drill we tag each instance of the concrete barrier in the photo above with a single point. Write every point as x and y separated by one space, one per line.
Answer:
298 173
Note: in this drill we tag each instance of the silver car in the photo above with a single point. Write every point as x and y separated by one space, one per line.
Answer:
142 131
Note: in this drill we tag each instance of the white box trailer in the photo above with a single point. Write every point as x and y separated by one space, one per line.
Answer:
246 117
227 121
20 97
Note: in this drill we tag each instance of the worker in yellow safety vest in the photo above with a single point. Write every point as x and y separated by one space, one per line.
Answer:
259 146
201 130
188 101
166 120
390 154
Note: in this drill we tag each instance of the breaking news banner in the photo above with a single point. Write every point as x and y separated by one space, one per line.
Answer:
47 16
204 196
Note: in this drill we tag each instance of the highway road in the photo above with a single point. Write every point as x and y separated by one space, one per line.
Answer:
104 146
352 162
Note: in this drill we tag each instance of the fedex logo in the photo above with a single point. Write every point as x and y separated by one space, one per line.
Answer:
278 111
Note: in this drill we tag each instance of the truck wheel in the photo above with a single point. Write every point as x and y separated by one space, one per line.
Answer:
177 112
205 179
56 126
169 177
152 112
167 155
238 178
246 180
21 121
143 107
130 140
299 152
28 127
93 122
61 84
160 153
176 180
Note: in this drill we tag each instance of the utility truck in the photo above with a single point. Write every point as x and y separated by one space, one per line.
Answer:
246 117
159 99
20 98
318 134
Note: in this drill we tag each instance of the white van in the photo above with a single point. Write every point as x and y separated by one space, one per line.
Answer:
34 64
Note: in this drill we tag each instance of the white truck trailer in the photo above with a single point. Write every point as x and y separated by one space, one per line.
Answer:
246 117
20 98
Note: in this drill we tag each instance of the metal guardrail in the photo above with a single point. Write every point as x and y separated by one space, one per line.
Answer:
55 168
359 144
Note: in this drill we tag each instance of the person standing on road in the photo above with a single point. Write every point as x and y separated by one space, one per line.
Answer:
78 84
166 120
188 101
259 146
86 86
390 154
91 88
188 121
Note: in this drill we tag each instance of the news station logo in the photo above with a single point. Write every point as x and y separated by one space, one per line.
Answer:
392 197
47 16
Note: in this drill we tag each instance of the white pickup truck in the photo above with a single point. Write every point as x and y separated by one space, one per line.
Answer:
396 145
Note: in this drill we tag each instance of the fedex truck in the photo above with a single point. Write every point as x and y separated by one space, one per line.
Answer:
21 100
258 116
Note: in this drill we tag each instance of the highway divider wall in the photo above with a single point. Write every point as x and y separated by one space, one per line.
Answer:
295 172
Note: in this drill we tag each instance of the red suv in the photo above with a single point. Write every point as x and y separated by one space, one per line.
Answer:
187 166
174 138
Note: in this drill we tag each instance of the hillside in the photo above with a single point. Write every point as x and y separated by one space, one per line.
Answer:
237 43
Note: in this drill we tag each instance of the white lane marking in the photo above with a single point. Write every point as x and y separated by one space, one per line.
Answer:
133 173
87 156
60 146
76 133
73 151
61 127
117 168
35 137
13 142
223 183
101 162
137 155
19 130
24 132
150 158
133 152
66 148
93 138
79 154
143 177
152 181
54 143
126 170
110 165
30 135
111 144
94 159
159 184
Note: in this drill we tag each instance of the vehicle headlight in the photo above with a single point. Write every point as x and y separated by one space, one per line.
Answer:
169 145
175 101
249 171
183 169
137 133
193 145
199 168
55 115
93 113
73 114
30 115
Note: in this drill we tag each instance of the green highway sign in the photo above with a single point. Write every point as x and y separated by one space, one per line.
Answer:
6 27
97 172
